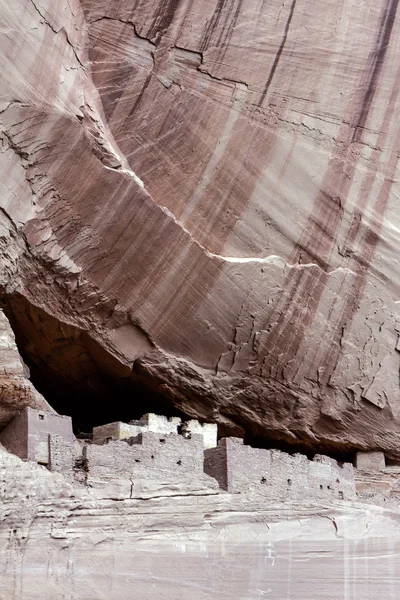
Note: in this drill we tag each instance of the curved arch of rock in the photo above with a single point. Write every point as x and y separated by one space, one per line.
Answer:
209 192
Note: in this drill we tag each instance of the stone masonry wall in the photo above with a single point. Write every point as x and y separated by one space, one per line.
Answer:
47 438
150 456
277 475
61 455
27 435
157 424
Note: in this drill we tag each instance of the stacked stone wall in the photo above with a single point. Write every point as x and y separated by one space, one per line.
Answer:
278 475
27 435
173 458
150 455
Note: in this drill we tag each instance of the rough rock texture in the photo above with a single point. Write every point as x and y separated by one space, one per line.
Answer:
16 391
166 543
204 195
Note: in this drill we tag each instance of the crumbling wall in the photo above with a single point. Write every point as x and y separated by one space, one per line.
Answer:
370 461
61 455
47 438
209 431
277 475
113 431
27 435
156 424
150 455
149 422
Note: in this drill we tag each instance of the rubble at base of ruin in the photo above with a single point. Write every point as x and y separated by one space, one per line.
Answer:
157 449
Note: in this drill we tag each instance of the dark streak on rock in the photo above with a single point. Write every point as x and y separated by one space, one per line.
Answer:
279 53
141 94
375 61
227 27
213 24
164 18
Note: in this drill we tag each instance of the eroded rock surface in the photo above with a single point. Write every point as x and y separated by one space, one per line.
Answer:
16 391
168 542
208 194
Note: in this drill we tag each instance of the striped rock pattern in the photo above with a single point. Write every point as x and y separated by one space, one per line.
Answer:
209 193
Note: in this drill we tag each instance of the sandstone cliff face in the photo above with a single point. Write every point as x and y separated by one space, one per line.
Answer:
168 543
16 391
204 196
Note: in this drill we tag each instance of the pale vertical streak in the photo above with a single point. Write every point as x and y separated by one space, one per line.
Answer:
217 155
346 588
289 575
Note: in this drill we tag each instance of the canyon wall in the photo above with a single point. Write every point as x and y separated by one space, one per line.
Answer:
16 391
203 198
168 543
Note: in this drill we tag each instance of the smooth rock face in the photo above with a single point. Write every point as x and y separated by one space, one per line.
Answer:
210 190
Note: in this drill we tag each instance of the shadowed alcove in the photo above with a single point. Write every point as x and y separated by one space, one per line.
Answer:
76 375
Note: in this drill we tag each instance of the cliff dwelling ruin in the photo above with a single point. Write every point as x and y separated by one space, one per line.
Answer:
179 449
199 299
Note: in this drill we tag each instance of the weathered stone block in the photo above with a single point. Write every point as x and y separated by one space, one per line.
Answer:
27 435
148 456
122 431
370 461
277 475
209 431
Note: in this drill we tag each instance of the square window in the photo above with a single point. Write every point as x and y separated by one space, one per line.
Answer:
41 417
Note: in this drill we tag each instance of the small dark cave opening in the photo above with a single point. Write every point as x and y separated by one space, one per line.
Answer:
76 375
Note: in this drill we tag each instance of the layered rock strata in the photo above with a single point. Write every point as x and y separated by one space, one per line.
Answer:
165 542
204 196
16 391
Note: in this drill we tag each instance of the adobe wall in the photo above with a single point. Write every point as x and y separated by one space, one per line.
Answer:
370 461
27 436
150 455
122 431
277 475
209 431
153 456
40 425
157 424
61 455
216 464
114 431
